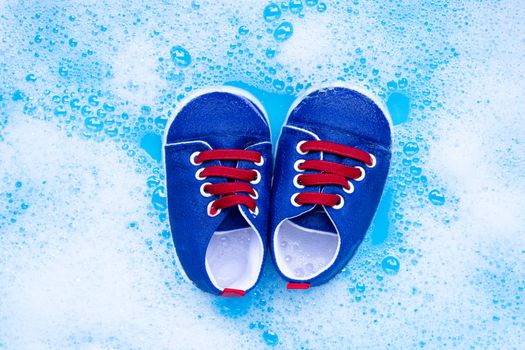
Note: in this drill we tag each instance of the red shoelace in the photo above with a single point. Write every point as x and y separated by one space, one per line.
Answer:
330 173
233 192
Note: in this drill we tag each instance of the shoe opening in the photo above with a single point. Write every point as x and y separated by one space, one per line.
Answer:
304 247
234 256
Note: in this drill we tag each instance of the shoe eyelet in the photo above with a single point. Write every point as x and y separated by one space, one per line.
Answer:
257 178
297 164
292 199
193 156
261 162
296 182
210 207
340 204
254 212
254 196
298 148
374 161
363 173
350 189
198 174
203 191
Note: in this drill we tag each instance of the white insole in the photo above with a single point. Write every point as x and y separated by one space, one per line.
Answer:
303 253
234 258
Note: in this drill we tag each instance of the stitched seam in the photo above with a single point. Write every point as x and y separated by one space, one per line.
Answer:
367 141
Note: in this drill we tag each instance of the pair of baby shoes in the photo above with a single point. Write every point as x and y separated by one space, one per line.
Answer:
225 211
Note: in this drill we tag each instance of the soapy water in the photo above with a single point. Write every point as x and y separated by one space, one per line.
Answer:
86 89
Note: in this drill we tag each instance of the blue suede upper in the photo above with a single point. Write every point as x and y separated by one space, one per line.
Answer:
350 118
216 120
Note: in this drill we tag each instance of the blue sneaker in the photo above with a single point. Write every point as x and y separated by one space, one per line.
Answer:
218 160
332 162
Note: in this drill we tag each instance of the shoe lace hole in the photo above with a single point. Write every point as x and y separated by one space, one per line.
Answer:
350 188
212 211
297 164
363 173
193 156
298 148
261 162
198 174
340 204
257 178
374 161
293 201
205 193
297 183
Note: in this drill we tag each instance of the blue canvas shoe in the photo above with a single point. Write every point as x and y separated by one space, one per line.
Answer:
332 162
218 160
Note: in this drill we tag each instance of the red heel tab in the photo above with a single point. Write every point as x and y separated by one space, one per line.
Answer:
293 285
232 293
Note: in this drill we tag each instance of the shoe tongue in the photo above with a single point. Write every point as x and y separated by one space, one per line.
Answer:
233 221
315 219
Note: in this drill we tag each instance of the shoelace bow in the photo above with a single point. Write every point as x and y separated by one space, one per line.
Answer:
330 173
234 192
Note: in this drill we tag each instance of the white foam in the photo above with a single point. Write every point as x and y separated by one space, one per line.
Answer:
75 266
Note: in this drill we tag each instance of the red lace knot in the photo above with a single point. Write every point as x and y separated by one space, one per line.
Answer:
238 190
329 173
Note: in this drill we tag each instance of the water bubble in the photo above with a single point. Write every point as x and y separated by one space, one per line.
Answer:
278 84
30 78
436 197
73 42
311 2
295 6
243 30
180 56
415 170
93 124
93 100
391 85
18 95
270 338
283 32
411 149
153 181
108 107
86 111
74 104
111 132
321 7
62 72
158 199
390 265
360 287
60 111
272 12
270 52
